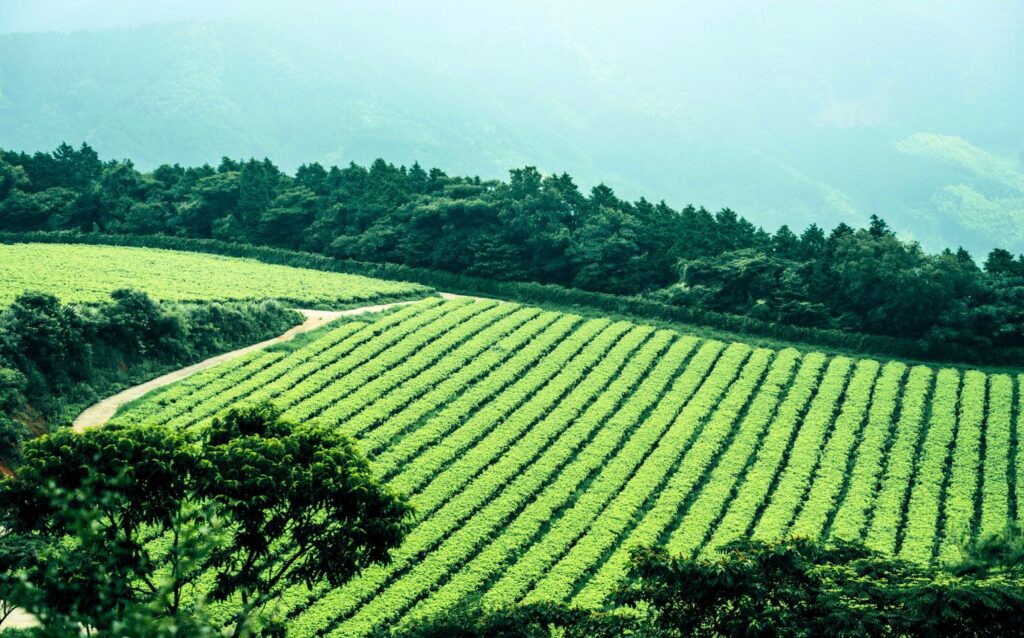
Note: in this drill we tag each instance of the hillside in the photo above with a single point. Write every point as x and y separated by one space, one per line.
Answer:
687 103
539 447
79 273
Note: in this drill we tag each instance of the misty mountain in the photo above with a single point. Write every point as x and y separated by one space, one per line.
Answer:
916 118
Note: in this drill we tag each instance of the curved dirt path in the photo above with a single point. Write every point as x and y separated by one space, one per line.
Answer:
102 412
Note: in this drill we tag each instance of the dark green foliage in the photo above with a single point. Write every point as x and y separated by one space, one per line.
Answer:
83 501
54 358
803 588
539 620
309 484
540 229
258 502
12 393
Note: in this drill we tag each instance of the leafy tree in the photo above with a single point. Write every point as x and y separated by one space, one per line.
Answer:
294 208
11 177
879 228
212 198
12 401
45 340
46 209
812 243
798 587
139 325
785 244
258 502
1001 262
604 251
255 184
314 178
76 168
142 218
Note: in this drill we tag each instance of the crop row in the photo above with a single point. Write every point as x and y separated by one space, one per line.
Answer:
513 486
666 479
923 509
604 427
294 383
430 341
863 480
438 425
963 478
239 380
408 431
689 409
553 361
792 484
447 354
449 502
607 448
154 407
305 405
524 474
290 374
995 507
532 394
707 506
646 483
752 491
887 515
833 462
391 415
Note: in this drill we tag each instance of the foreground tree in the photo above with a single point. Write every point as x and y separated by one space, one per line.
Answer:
257 503
802 588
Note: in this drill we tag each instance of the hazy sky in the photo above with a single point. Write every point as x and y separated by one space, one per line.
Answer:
788 111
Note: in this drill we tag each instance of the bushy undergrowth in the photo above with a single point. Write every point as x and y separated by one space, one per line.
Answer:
56 358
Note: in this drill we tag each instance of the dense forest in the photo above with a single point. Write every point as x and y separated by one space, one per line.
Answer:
538 228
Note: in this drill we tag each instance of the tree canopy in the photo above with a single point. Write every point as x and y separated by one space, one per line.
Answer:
255 503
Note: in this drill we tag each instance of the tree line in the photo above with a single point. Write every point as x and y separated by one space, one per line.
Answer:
537 228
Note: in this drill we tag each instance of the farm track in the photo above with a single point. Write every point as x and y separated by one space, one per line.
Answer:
539 448
103 411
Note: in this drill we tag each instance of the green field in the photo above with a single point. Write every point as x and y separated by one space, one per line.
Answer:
80 273
540 447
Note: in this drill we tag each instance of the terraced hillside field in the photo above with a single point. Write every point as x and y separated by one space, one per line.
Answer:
540 447
84 273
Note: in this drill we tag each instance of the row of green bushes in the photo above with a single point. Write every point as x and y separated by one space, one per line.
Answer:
551 294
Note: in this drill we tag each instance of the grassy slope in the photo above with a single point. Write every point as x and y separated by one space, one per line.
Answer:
79 273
